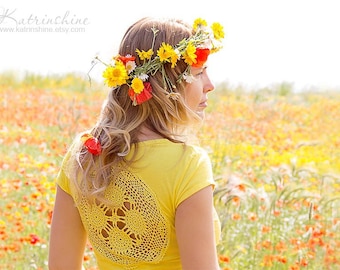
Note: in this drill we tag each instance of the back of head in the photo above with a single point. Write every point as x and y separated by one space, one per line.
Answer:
162 114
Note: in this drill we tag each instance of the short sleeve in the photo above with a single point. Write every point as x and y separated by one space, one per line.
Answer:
197 174
62 179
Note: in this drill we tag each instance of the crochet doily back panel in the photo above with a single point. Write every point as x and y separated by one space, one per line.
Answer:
132 230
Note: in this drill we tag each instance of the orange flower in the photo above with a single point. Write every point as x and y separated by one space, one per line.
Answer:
276 213
265 229
242 187
281 259
317 217
236 216
303 262
267 244
252 216
294 267
268 260
86 258
236 200
224 259
280 246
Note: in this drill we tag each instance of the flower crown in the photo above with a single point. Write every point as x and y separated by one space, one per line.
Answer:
193 50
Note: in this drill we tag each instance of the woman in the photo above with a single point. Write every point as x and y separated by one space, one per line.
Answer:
135 185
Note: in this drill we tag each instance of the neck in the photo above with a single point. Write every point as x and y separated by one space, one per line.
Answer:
148 134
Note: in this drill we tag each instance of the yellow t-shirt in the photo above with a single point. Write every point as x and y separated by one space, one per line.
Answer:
139 230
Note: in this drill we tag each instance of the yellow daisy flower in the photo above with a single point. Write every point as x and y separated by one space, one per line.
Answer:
217 30
144 55
137 85
115 75
199 22
189 55
165 52
174 58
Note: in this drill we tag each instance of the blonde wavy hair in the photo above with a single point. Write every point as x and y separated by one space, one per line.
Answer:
120 122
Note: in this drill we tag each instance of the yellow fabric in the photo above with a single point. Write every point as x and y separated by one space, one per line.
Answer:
139 230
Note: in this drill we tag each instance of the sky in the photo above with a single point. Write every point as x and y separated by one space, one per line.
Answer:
267 42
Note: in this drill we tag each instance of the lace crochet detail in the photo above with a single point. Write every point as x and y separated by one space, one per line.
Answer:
133 230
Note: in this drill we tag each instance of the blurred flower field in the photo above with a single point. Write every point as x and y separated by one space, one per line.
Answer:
276 159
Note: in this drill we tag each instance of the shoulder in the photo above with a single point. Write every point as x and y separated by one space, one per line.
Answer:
190 152
196 152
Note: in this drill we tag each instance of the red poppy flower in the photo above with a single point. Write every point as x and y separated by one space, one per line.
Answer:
202 56
126 59
92 144
34 239
145 95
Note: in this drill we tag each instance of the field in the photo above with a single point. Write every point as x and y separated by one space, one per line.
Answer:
275 154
